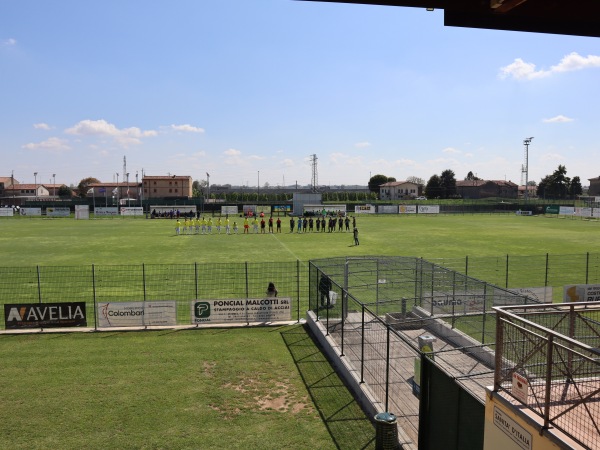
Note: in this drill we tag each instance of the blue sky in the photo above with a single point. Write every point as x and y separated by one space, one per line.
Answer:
248 90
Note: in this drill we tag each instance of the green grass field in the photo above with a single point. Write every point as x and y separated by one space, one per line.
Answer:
215 388
35 241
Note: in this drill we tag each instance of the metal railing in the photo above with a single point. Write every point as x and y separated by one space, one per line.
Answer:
548 358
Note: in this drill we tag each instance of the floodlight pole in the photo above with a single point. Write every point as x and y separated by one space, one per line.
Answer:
526 142
127 174
54 185
35 178
117 189
208 186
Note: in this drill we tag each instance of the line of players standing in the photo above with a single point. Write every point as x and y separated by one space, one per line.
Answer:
320 224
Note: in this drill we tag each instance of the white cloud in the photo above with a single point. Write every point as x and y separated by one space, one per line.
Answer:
552 157
233 157
558 119
521 70
451 150
287 162
41 126
8 42
362 144
187 128
124 136
52 145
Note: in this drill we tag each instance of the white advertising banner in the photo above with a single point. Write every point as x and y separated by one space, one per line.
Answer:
387 209
241 310
566 210
539 294
31 211
106 211
429 209
82 212
582 293
407 209
58 212
137 314
364 209
132 211
583 212
232 209
6 212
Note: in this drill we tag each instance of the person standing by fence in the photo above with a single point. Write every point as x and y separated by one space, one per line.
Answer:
356 236
324 288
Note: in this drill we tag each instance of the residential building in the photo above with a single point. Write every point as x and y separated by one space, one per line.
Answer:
114 191
398 190
474 189
27 191
594 189
531 191
170 186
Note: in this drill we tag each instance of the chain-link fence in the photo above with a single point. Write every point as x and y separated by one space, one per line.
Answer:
548 358
182 283
526 272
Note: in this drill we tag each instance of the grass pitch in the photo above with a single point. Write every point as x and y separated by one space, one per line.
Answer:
215 388
35 241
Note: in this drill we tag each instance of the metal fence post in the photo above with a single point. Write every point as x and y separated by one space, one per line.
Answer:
144 279
549 364
387 370
298 289
546 276
343 320
247 292
195 279
499 351
362 346
484 313
94 298
506 281
39 284
587 267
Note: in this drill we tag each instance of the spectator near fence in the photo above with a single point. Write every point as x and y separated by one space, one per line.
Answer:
271 290
324 288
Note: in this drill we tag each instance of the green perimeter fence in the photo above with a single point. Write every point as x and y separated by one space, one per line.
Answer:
184 283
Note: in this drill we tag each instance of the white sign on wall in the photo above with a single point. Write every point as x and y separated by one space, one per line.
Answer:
58 212
137 314
6 212
31 211
407 209
241 310
429 209
582 293
109 211
364 209
132 211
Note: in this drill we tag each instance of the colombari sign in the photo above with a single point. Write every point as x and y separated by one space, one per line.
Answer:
44 315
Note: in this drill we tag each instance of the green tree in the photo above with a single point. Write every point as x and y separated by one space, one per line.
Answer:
575 188
448 184
472 177
378 180
83 186
434 187
555 186
416 180
64 192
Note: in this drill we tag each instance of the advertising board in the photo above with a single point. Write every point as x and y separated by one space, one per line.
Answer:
58 212
241 310
31 211
44 315
106 211
137 314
